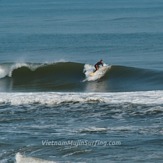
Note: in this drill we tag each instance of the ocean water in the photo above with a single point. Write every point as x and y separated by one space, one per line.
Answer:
52 109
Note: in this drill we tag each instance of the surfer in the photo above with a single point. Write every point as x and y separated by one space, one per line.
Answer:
97 65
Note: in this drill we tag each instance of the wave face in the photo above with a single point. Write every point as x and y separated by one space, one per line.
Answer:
70 76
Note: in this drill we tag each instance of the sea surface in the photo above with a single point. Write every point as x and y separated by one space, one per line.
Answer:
52 109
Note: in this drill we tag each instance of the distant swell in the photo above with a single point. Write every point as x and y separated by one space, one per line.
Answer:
69 76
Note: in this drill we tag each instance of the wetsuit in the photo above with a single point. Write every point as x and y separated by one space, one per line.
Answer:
97 65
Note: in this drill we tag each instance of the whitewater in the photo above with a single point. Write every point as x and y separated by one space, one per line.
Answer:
52 98
52 110
122 120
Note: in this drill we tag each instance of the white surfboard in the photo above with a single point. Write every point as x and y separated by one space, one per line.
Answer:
99 73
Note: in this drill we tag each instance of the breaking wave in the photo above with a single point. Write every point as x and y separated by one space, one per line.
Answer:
69 76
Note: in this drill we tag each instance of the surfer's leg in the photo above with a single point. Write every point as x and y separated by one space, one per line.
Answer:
96 68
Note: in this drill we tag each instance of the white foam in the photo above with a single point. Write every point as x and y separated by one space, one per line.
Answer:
143 130
88 69
94 129
52 98
23 159
4 71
